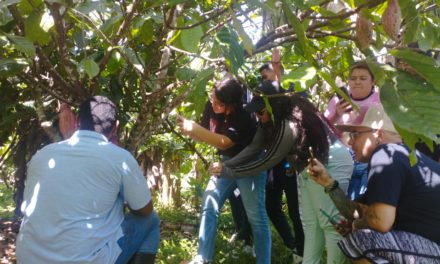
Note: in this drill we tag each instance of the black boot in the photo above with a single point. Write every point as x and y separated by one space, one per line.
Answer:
143 258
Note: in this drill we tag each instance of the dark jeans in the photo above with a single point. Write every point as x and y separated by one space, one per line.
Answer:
242 225
278 183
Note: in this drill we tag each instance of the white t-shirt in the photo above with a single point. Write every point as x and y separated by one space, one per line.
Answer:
74 198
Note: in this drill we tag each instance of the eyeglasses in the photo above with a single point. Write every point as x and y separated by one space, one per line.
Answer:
261 112
354 134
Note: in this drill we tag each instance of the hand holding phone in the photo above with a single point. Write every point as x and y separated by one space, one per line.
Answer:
346 107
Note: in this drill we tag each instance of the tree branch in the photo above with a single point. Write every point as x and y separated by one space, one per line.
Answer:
186 141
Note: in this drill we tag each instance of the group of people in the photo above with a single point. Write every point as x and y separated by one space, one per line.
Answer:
354 195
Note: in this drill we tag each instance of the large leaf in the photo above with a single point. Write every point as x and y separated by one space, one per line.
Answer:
429 35
424 65
247 41
378 72
22 44
33 30
146 33
133 59
411 16
413 105
197 95
190 38
90 67
303 77
231 48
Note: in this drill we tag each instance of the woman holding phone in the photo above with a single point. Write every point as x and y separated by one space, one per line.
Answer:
289 130
339 112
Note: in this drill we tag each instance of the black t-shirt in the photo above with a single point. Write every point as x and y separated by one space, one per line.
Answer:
239 127
414 191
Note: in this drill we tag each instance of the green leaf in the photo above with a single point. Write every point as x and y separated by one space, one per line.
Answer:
33 31
304 76
190 38
429 35
135 60
26 8
90 67
412 18
424 65
22 44
146 33
231 49
197 95
247 42
185 74
297 27
378 72
412 105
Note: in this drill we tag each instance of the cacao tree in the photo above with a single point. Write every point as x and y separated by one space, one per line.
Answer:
154 58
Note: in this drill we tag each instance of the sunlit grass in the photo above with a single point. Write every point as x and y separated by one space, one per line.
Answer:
179 239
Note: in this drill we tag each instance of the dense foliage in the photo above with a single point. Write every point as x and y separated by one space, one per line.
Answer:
153 57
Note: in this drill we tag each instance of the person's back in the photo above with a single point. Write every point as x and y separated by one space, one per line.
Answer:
74 197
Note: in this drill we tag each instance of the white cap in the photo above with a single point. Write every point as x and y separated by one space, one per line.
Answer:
375 118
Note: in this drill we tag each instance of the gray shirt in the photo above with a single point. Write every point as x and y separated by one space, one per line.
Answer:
248 163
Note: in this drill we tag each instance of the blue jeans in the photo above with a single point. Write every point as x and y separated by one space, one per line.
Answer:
141 234
252 190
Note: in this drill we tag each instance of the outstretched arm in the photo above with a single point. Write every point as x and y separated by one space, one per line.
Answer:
199 133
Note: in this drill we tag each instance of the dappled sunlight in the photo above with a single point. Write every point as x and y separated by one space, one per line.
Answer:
432 179
51 163
89 226
381 158
384 157
73 140
29 209
125 167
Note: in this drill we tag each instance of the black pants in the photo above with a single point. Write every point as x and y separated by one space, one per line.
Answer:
279 182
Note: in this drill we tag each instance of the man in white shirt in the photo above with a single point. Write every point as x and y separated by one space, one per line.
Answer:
74 198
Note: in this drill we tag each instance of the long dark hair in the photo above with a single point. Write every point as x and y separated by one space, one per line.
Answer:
312 128
229 92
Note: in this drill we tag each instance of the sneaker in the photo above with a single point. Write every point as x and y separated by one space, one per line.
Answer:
249 250
297 259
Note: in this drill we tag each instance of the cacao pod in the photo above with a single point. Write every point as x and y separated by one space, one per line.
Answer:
67 121
391 19
364 31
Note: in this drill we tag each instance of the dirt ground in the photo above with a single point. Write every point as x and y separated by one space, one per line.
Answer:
8 232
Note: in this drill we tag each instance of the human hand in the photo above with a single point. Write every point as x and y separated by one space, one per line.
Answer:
186 126
343 107
319 173
344 227
356 221
215 168
276 58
